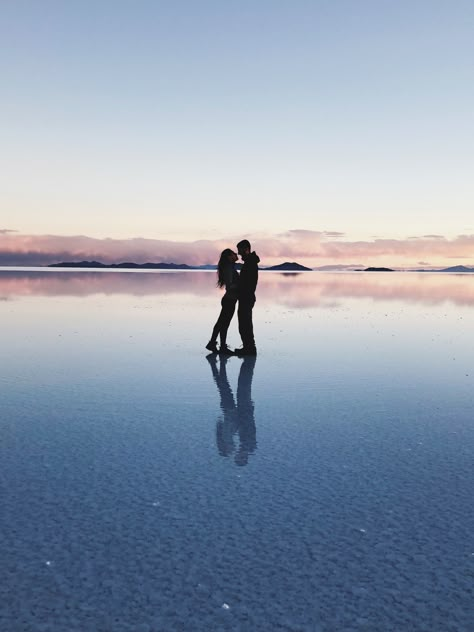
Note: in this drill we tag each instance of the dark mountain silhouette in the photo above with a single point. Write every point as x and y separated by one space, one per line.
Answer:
375 270
291 267
378 270
130 265
124 265
282 267
457 269
450 269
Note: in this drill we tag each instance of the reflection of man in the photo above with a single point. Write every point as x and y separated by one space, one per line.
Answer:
237 419
247 286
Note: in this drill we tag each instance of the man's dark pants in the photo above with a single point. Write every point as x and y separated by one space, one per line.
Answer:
244 314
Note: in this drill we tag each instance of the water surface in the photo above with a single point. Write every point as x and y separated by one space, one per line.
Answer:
326 485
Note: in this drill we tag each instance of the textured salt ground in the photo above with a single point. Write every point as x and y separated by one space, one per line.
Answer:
119 514
352 512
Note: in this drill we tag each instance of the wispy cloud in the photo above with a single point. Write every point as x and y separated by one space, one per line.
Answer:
315 248
333 233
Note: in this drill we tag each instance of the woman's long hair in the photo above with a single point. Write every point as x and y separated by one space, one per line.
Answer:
223 262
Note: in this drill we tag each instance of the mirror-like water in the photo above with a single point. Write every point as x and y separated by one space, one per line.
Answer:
325 485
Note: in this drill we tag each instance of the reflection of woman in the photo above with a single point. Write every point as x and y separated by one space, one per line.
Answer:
237 419
228 277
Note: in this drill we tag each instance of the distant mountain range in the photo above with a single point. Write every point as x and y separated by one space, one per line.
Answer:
451 269
282 267
287 266
128 265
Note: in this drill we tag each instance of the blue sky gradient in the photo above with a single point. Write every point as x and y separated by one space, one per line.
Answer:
198 120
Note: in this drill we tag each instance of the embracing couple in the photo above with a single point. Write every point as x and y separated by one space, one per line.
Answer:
238 287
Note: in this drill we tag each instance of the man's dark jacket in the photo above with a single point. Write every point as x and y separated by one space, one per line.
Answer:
249 278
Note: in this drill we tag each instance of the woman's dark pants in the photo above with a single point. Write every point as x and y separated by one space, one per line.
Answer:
223 322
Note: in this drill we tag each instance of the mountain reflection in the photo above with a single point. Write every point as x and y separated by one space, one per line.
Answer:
304 290
237 423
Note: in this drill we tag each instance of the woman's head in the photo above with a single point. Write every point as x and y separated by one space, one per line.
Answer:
228 257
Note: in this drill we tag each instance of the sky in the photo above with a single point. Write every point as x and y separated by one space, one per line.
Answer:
331 132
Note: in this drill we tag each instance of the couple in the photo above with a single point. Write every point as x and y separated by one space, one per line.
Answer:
238 287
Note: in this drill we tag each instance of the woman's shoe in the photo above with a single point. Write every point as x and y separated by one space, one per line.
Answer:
212 346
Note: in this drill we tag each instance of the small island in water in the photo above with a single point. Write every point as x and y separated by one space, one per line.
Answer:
372 269
289 267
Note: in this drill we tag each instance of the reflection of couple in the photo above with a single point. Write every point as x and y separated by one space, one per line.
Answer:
237 288
237 417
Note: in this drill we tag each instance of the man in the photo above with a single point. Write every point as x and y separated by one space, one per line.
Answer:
246 292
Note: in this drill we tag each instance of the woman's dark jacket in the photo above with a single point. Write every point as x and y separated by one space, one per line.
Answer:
231 280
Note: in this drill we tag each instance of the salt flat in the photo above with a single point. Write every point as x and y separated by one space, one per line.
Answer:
325 486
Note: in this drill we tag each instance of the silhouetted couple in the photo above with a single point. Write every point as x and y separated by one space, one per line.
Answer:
238 287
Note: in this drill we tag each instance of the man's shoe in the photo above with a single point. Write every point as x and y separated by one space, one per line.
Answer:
246 351
212 346
224 350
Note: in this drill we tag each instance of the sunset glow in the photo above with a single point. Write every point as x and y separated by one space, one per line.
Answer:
315 249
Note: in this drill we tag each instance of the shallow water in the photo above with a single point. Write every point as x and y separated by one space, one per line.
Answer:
324 486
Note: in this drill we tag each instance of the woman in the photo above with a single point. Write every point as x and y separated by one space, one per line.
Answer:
228 277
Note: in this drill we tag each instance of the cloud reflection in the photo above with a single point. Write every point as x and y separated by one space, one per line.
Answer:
311 289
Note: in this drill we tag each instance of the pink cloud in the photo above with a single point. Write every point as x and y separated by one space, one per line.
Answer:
314 248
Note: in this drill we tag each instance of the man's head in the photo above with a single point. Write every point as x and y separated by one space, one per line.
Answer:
244 248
